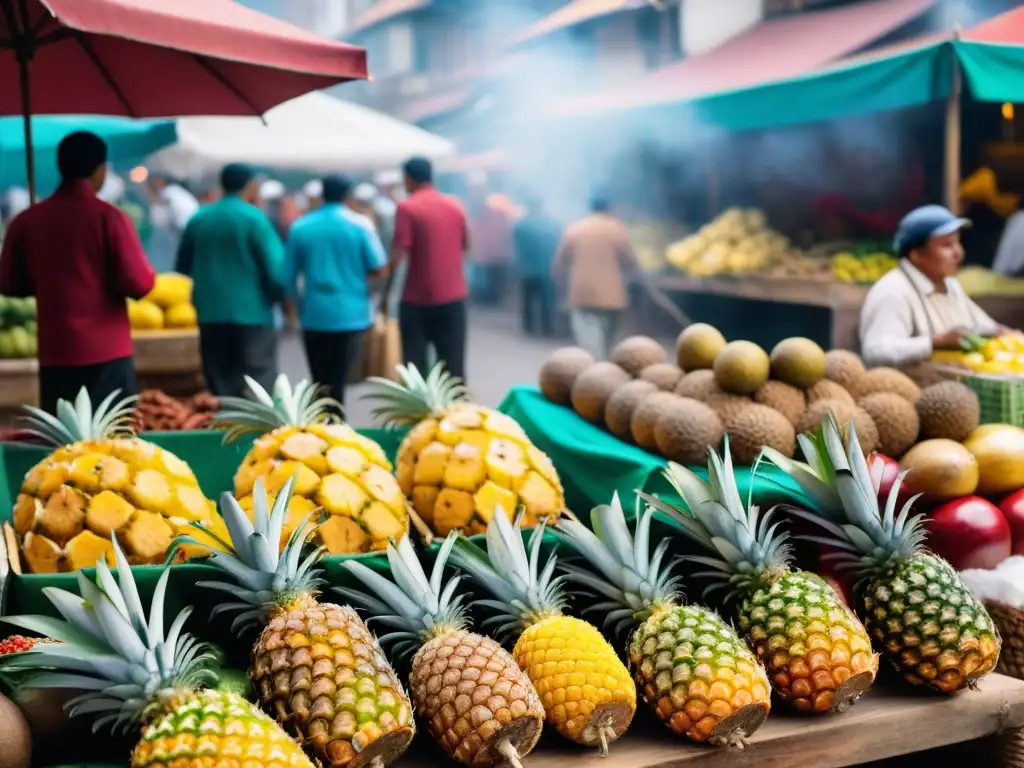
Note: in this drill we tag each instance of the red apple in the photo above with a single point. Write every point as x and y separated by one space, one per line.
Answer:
970 532
890 471
1012 508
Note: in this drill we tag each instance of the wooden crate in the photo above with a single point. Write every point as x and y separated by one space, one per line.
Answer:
171 351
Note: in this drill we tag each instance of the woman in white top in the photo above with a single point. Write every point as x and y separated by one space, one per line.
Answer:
920 306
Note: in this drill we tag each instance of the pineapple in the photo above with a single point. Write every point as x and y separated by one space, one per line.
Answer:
461 461
102 480
691 667
315 666
917 609
817 653
586 691
477 703
337 469
134 673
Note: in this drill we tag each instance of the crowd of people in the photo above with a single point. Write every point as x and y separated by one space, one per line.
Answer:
324 260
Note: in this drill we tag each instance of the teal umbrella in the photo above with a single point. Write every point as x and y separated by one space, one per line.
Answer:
129 141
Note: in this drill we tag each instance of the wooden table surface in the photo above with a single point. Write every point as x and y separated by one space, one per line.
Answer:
888 722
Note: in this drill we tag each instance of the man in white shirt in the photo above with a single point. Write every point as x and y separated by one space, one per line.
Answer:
171 207
920 306
1010 254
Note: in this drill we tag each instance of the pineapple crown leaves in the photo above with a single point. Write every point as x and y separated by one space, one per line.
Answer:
526 593
416 607
79 421
845 491
303 405
110 649
635 582
415 398
262 575
747 544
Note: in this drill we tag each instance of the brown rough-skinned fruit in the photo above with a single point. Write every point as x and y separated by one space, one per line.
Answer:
15 736
727 405
784 398
867 432
924 374
948 410
896 419
828 390
665 376
593 387
845 368
757 426
559 373
635 353
697 384
885 379
686 430
618 411
646 417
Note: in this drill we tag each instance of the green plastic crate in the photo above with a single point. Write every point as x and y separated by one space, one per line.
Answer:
1001 397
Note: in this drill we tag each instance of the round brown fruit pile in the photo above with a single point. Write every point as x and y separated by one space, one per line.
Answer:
759 398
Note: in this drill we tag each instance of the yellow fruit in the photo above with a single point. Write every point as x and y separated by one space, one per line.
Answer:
999 451
100 481
336 469
181 316
461 461
145 316
170 290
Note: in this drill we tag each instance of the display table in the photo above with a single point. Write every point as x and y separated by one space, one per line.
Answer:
19 385
887 723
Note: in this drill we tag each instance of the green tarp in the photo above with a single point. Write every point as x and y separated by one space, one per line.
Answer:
909 78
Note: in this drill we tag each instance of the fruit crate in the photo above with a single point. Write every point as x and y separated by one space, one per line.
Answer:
1001 397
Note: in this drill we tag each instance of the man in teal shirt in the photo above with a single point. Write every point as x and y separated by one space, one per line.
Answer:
236 262
333 252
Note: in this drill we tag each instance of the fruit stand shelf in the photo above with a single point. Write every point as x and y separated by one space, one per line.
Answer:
19 383
884 724
170 351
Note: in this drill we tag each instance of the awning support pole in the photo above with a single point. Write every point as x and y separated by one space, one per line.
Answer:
951 167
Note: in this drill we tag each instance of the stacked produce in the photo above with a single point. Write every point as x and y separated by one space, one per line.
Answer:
17 327
156 411
862 267
980 281
102 481
737 242
168 305
1000 355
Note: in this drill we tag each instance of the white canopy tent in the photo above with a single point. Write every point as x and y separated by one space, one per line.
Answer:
314 132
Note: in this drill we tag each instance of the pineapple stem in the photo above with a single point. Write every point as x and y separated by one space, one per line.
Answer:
510 753
421 527
606 733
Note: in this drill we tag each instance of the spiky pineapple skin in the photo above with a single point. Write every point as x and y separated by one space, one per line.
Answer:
581 681
695 672
337 470
213 729
810 642
457 469
71 502
318 670
472 694
929 625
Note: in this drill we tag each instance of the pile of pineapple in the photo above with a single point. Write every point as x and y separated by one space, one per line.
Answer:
998 356
168 305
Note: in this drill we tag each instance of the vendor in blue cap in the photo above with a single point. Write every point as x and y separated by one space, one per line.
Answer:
920 306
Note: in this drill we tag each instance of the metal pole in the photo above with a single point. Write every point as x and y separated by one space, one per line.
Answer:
952 171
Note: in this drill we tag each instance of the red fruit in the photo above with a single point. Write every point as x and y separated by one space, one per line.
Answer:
970 532
1012 508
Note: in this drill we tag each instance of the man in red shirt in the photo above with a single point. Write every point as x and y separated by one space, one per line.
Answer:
431 233
81 258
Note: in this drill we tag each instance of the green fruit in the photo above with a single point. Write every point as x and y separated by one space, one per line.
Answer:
32 327
21 342
6 344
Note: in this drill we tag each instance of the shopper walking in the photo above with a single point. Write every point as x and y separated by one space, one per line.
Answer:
536 237
81 258
595 257
170 208
431 234
333 252
236 261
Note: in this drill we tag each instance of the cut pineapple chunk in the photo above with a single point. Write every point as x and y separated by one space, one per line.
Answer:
265 447
308 449
87 549
453 509
491 496
506 463
424 500
27 513
341 496
248 473
382 524
341 534
347 461
108 513
148 537
151 490
63 515
175 467
382 485
94 471
41 555
431 464
419 437
541 499
465 471
306 480
53 478
190 503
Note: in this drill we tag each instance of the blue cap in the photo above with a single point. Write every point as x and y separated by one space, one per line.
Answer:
922 223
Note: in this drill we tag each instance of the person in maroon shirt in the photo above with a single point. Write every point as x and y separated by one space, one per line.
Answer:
431 233
81 258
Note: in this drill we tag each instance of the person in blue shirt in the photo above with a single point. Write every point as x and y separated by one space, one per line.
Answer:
536 237
332 255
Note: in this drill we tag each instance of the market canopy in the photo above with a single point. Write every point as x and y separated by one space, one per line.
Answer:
774 50
573 13
128 141
314 132
381 11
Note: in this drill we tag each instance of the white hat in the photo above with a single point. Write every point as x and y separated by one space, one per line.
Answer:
390 178
313 189
272 189
364 193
